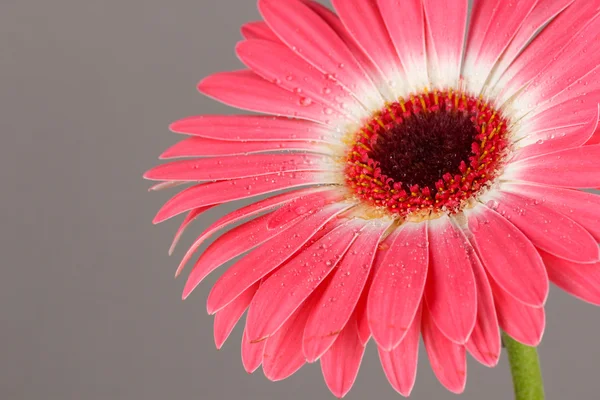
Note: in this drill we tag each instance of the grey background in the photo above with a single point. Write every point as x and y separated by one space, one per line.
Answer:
88 305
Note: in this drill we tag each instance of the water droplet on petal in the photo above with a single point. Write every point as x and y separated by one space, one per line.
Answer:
305 101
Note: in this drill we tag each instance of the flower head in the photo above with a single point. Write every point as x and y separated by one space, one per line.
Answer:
424 180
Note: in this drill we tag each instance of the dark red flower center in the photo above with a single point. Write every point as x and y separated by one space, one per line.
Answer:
430 154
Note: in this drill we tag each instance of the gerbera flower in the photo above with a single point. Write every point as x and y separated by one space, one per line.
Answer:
436 171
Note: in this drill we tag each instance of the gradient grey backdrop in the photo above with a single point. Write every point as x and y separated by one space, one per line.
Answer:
88 305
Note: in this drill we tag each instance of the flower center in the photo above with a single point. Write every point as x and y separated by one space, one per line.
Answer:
433 153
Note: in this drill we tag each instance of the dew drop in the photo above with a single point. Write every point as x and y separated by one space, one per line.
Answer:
305 101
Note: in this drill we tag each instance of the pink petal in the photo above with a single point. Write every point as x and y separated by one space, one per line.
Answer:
228 317
192 215
407 31
546 228
362 322
397 288
314 40
278 63
258 30
450 293
573 108
576 104
363 59
230 245
544 12
581 207
249 211
252 128
558 139
203 147
400 364
446 28
365 24
341 362
165 185
207 194
267 258
523 323
487 39
508 256
448 360
364 331
580 280
577 59
248 91
595 139
252 353
289 286
283 351
234 167
547 47
302 206
485 343
254 233
339 300
572 168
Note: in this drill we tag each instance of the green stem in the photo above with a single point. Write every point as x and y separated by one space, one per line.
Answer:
525 370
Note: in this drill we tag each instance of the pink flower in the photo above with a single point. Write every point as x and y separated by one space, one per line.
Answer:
436 190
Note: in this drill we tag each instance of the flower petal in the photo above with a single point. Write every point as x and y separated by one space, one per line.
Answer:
581 207
577 59
364 331
267 258
248 91
279 64
164 186
546 228
259 30
228 317
580 280
234 167
192 215
248 211
487 40
448 360
523 323
485 343
574 105
450 292
341 362
252 128
363 59
233 243
397 288
557 139
293 283
508 256
544 12
572 168
204 147
314 40
446 27
252 353
364 22
400 364
339 299
595 139
207 194
407 31
547 47
283 351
